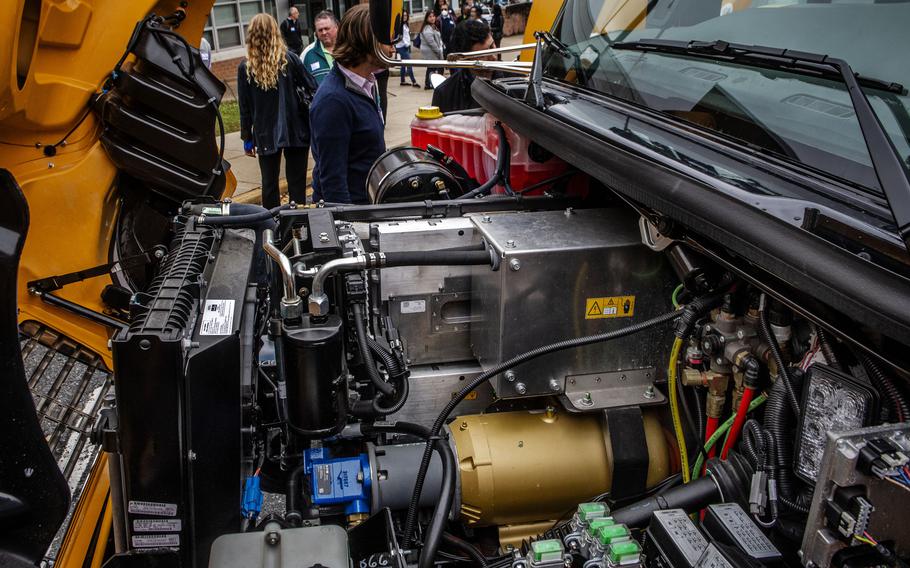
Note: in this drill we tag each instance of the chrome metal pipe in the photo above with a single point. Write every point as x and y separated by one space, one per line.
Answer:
492 51
291 304
318 301
510 66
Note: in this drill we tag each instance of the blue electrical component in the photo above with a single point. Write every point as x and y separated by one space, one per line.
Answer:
252 498
347 481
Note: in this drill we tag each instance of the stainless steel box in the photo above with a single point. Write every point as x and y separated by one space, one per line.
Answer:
567 274
430 305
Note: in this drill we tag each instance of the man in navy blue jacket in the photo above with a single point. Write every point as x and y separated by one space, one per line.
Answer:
346 117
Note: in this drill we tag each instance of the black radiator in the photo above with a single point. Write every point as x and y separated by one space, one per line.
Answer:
182 370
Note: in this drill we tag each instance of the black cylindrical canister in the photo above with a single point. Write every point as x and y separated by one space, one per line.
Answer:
313 355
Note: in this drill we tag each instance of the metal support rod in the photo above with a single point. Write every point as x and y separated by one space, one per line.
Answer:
523 67
291 305
493 51
81 310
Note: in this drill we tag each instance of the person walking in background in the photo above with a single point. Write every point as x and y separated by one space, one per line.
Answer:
430 45
403 47
496 24
345 115
272 120
317 57
291 32
446 26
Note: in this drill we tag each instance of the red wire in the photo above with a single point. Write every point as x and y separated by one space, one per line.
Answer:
710 428
738 421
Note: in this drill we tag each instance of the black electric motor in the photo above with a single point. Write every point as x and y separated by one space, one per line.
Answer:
411 174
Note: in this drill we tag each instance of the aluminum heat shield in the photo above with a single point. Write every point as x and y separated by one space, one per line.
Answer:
567 274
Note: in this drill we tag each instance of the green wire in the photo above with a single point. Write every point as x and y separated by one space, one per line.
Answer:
675 297
721 430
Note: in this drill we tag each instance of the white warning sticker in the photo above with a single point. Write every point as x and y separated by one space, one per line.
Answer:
156 540
217 318
413 306
153 508
157 525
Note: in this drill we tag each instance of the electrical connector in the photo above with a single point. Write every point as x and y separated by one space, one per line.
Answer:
252 498
882 458
758 497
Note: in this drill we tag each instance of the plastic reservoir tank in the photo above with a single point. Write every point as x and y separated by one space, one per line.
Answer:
473 141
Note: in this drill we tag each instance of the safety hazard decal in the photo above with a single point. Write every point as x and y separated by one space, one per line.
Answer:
610 307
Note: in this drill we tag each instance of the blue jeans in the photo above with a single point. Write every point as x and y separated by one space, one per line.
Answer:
405 53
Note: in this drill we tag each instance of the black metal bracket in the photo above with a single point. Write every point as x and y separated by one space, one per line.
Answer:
52 283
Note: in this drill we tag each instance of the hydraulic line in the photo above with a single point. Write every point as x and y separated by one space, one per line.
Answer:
738 421
411 518
674 408
721 430
709 431
360 331
783 371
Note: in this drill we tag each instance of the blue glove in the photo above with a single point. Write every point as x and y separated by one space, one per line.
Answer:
248 145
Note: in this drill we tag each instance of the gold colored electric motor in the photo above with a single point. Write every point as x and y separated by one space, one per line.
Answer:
526 467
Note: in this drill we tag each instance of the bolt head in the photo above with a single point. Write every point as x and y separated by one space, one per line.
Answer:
521 388
486 219
515 264
323 237
273 538
740 334
649 392
554 385
510 376
510 243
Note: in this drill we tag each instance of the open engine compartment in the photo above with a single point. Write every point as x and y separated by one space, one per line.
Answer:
482 381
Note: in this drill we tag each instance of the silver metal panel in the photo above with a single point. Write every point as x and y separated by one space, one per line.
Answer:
420 234
276 547
432 387
553 261
430 305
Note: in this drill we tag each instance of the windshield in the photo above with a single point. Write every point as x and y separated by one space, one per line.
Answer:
803 118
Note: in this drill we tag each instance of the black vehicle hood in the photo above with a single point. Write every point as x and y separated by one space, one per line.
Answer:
764 237
34 496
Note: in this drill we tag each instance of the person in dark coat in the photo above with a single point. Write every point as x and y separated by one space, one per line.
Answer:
455 92
497 24
346 114
291 32
271 121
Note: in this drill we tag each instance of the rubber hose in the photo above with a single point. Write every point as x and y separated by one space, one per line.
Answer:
404 391
244 220
388 359
783 372
438 258
440 516
360 331
469 549
777 423
899 409
293 515
409 428
503 160
411 518
824 342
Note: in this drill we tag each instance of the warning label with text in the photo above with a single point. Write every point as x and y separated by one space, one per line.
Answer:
610 307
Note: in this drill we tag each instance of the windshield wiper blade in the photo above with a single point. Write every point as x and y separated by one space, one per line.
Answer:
887 163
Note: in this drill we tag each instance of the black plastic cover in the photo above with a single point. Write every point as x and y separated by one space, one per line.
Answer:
34 496
159 117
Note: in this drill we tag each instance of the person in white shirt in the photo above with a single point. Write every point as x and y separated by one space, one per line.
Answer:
403 47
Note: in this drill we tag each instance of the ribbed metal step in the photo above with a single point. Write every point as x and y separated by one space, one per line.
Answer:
68 384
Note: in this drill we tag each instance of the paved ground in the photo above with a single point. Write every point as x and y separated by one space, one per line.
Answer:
403 103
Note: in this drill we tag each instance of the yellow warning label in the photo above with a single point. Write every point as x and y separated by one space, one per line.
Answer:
610 307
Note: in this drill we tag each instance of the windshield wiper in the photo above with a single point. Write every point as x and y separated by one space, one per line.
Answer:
887 163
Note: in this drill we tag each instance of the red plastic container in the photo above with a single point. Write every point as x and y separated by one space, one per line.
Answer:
473 141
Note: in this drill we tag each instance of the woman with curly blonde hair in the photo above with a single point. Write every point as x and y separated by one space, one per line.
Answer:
272 119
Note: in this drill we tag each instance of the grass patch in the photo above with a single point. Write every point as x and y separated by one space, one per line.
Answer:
230 114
